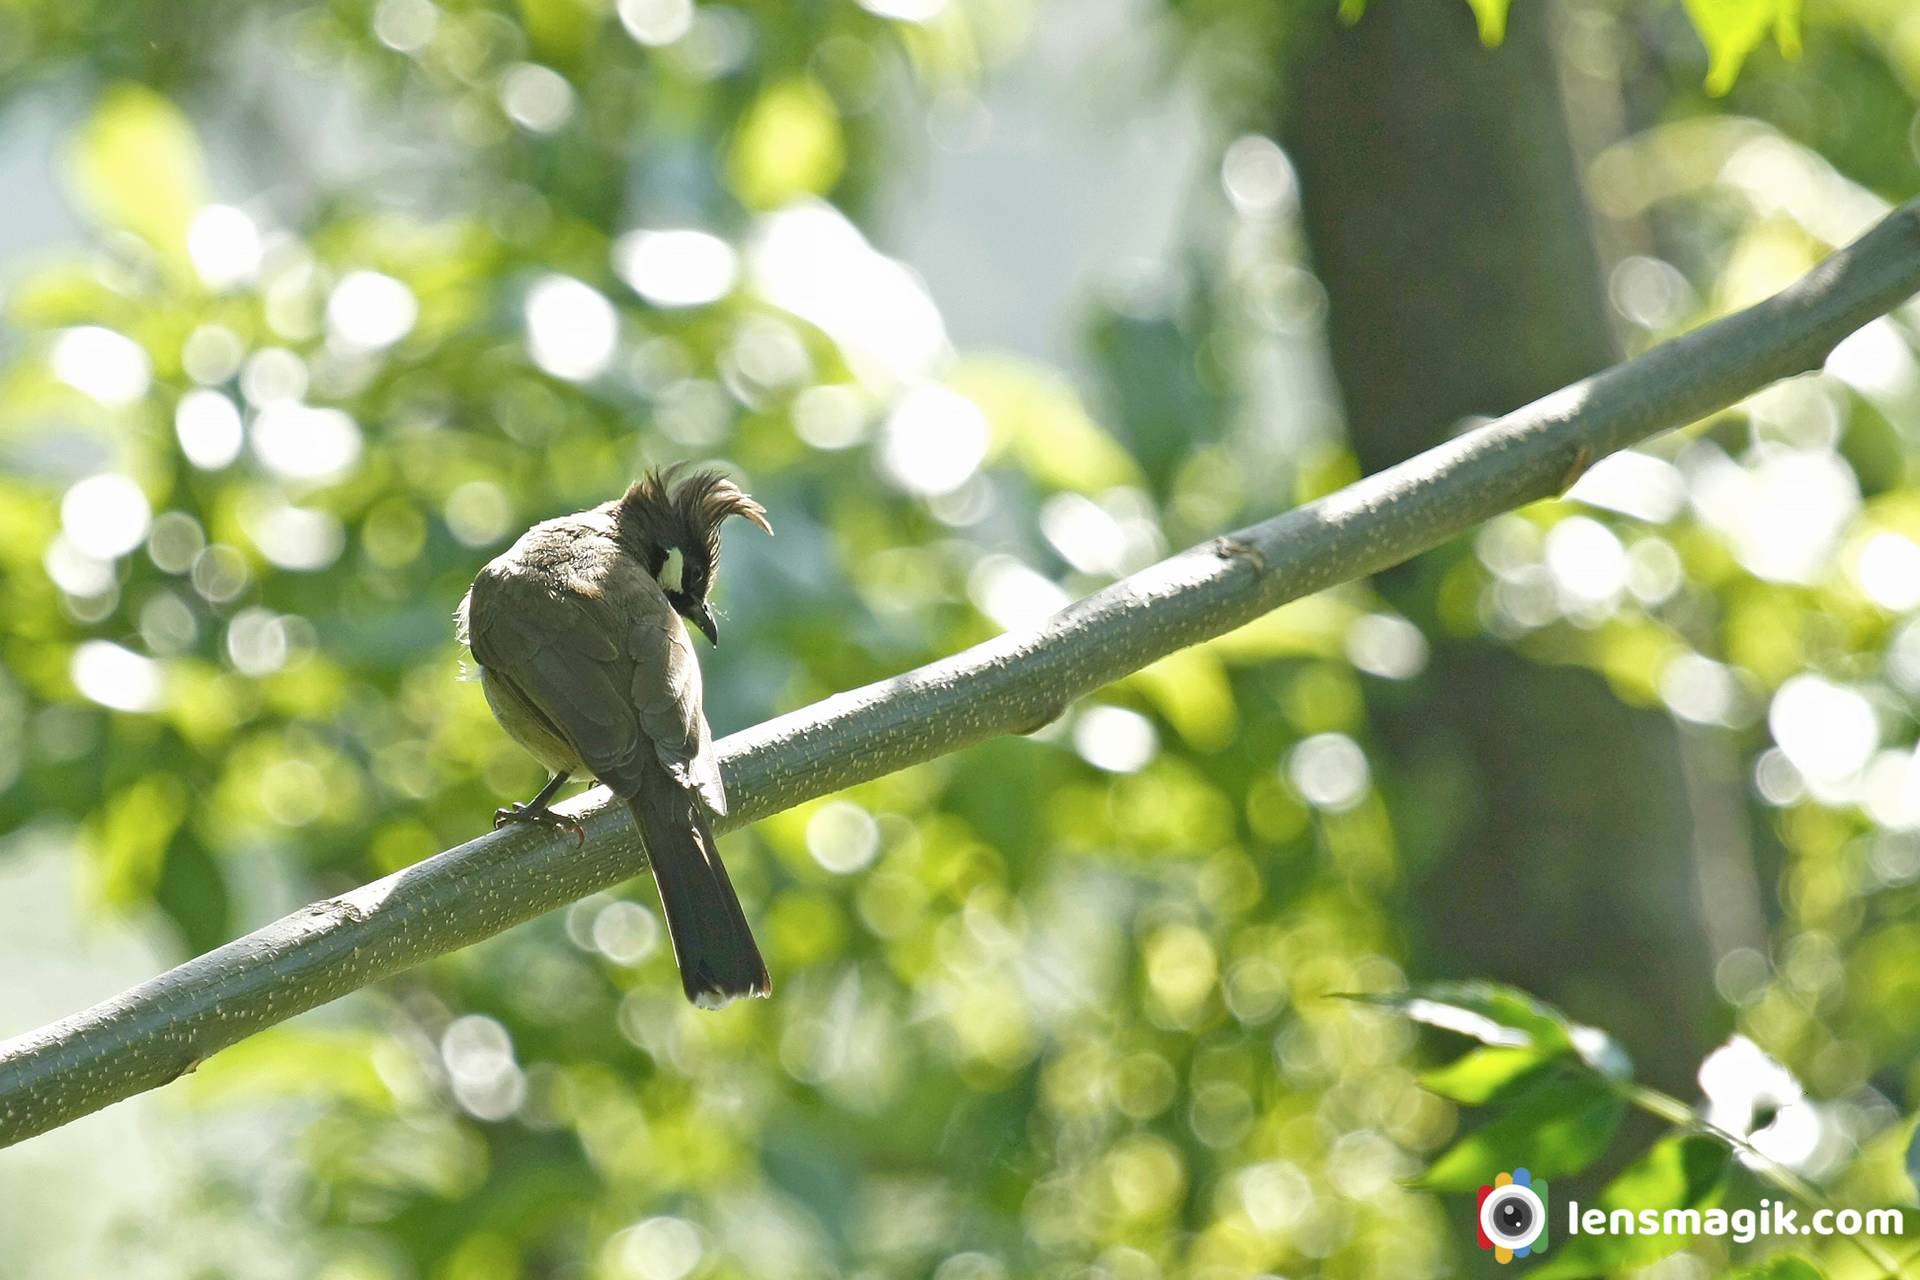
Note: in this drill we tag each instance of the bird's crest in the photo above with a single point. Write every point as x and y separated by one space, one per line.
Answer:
685 514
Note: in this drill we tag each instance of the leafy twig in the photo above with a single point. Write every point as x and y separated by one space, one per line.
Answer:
1665 1106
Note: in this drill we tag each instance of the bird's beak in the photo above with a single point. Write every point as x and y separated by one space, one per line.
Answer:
703 619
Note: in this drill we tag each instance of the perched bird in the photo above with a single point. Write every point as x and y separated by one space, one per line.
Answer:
577 633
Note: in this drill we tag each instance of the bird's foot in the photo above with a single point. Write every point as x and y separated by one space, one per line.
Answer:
539 816
1229 548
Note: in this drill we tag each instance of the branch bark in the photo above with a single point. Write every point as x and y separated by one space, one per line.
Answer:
1016 683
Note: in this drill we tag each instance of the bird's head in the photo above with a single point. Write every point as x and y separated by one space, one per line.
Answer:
673 524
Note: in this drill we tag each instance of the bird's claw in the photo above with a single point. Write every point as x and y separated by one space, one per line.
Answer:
541 817
1229 548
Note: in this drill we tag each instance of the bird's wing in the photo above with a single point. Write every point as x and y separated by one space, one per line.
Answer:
561 654
600 653
667 692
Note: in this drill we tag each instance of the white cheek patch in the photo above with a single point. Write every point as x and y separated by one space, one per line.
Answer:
672 568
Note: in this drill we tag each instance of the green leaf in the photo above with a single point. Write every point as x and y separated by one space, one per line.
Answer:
137 164
789 145
294 1062
1190 688
1732 29
1913 1156
1489 1012
192 890
1486 1075
129 835
1786 27
1787 1266
1038 416
560 29
62 293
1315 627
1165 397
1559 1127
1492 16
1679 1172
1500 1015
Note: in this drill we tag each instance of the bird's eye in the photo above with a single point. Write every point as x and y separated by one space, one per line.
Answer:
672 569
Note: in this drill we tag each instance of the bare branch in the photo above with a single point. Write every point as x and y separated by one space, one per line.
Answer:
1013 684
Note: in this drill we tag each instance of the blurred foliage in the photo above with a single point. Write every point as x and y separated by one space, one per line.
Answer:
1730 29
1561 1090
1054 1006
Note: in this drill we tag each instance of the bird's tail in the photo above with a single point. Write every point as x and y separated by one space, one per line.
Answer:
711 941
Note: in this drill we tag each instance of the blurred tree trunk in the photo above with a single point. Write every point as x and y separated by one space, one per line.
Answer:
1445 216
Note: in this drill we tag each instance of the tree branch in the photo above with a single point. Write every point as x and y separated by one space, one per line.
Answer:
1013 684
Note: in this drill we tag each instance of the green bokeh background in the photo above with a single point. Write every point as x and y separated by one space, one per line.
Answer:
1058 1005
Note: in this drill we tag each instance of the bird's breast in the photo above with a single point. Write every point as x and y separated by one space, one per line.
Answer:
527 726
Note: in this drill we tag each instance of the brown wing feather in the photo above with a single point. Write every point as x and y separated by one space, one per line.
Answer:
601 655
668 695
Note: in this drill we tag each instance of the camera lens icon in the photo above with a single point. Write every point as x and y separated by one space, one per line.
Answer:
1513 1216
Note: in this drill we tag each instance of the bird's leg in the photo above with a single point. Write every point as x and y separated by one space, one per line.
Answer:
536 812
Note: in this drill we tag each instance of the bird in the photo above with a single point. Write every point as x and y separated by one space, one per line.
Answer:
578 631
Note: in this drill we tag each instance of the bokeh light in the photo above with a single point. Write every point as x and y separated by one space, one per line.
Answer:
933 441
302 442
368 311
656 22
536 97
116 677
209 427
1827 730
676 268
1330 772
571 328
106 365
811 261
225 246
105 516
1115 739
